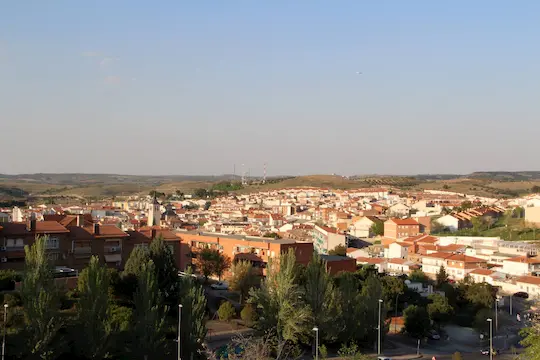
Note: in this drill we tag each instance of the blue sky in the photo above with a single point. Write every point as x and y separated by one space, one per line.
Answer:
194 87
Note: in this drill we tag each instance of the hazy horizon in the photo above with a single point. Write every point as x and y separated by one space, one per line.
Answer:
129 87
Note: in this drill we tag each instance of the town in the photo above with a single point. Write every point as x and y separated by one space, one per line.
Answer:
432 241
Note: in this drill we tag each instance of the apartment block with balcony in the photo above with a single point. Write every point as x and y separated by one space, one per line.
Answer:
326 239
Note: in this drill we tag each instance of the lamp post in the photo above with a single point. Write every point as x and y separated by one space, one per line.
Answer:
496 314
179 326
5 329
379 330
316 329
490 338
511 296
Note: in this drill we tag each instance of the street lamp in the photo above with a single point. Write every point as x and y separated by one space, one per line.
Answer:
496 314
5 329
490 338
379 330
316 329
179 325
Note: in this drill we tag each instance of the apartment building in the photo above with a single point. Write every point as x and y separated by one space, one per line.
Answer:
521 265
431 263
257 250
401 228
459 265
326 239
532 216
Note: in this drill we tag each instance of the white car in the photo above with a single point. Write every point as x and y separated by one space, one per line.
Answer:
220 285
384 358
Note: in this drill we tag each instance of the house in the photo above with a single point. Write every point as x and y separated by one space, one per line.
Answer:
431 263
450 222
397 250
326 239
399 210
529 284
399 266
361 226
482 275
378 263
401 228
532 215
336 264
459 265
521 265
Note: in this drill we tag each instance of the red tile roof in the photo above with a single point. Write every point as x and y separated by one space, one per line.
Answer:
533 280
485 272
407 221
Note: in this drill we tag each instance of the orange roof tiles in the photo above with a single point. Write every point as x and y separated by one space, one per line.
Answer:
533 280
485 272
407 221
525 259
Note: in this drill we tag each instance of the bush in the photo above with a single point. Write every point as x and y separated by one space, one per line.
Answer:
248 315
226 311
8 279
13 299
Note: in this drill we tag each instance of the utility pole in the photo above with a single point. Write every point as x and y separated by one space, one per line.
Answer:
179 326
5 329
379 330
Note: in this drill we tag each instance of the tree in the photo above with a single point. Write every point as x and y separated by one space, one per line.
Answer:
138 258
480 320
149 315
392 288
40 299
441 277
200 193
416 321
279 301
339 250
193 329
94 311
166 269
418 276
321 297
377 228
480 295
439 309
211 261
242 278
351 352
207 205
531 342
226 311
272 235
535 189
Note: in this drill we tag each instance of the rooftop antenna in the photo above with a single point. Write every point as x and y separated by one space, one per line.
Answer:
264 174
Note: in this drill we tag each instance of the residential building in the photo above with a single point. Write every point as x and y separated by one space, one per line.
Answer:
401 228
397 250
400 266
326 239
459 265
532 215
336 264
522 265
529 284
379 263
361 226
431 263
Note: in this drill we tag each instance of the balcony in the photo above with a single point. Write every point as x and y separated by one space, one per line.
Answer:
82 252
112 249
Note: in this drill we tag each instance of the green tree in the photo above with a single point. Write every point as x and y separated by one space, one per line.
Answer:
352 309
392 288
480 320
149 315
193 329
242 278
418 276
207 205
94 311
339 250
166 269
41 301
417 322
212 262
531 342
535 189
351 352
279 301
377 228
441 277
321 297
200 193
226 311
480 295
138 258
439 309
272 235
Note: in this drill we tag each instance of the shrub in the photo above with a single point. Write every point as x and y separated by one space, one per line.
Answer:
8 279
248 315
13 299
226 311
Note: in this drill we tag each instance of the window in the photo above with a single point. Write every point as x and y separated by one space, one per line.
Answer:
15 243
52 243
144 245
53 256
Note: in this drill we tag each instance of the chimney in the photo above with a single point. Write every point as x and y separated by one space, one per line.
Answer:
31 223
96 229
153 234
80 220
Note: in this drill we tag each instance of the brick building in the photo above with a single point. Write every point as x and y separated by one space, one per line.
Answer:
401 228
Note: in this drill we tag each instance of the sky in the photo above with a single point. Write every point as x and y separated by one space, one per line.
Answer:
202 87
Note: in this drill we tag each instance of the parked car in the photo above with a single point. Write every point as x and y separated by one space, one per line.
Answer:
384 358
522 294
220 285
486 352
433 335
